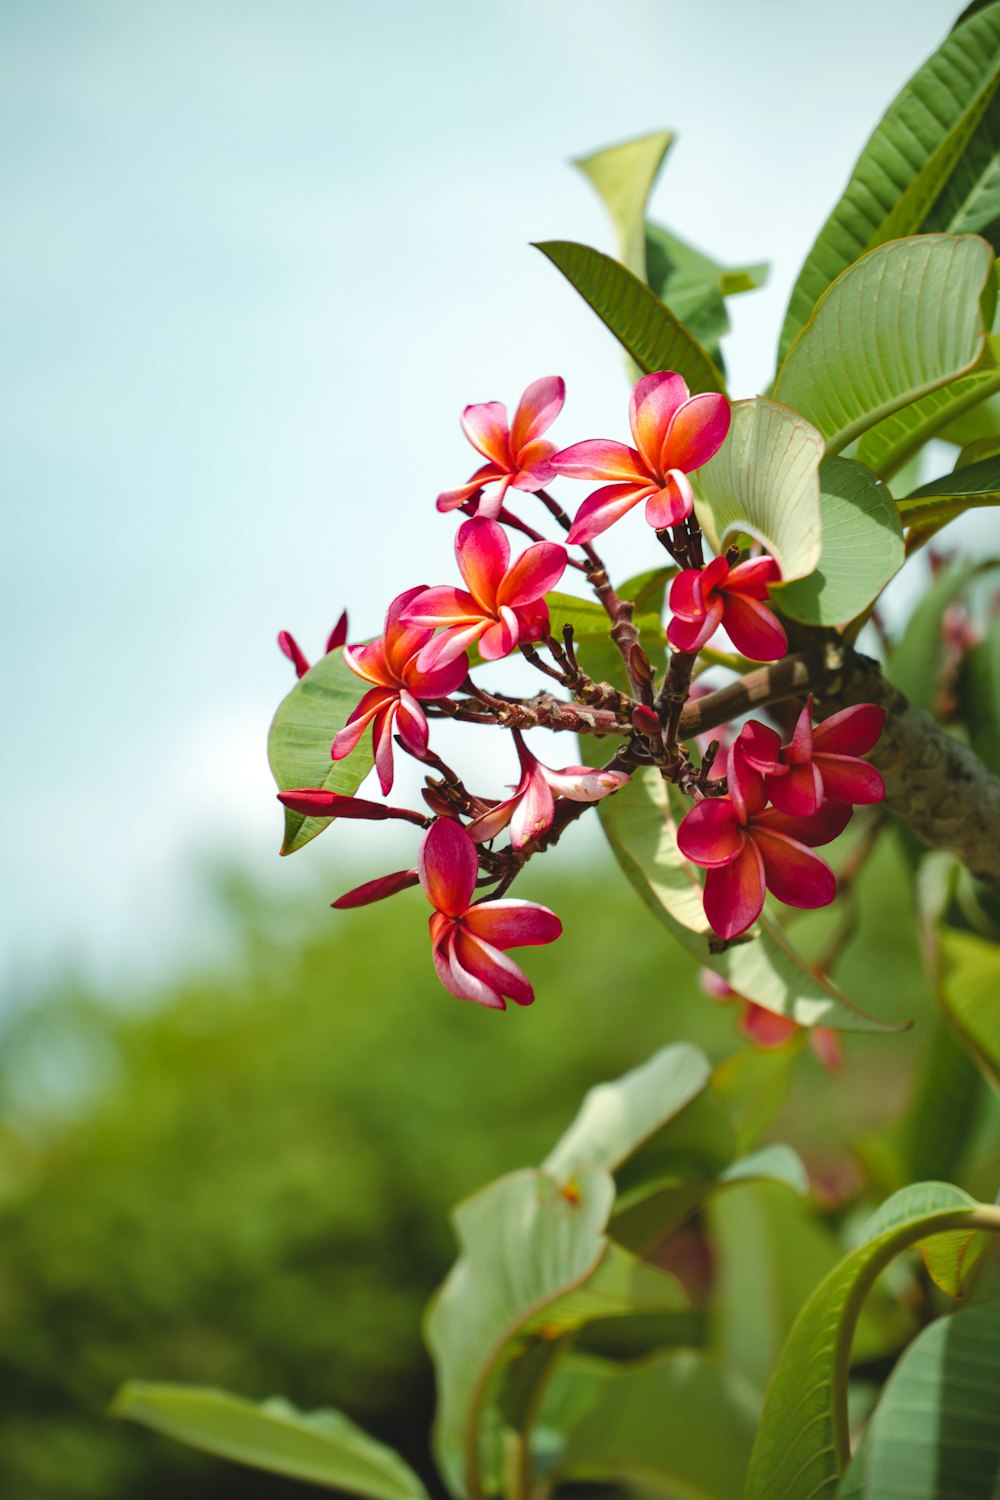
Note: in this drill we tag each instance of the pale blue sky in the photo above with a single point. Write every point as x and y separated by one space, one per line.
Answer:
256 258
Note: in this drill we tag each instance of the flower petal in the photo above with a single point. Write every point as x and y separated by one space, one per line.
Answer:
673 503
483 555
710 834
403 638
490 823
536 571
448 867
754 576
338 635
584 783
535 810
485 425
536 411
315 802
492 499
457 980
691 635
601 509
765 1028
654 401
411 724
371 704
289 646
601 458
852 731
536 469
382 728
428 686
512 924
801 747
442 605
500 636
760 747
697 431
448 647
796 875
825 824
752 628
369 663
532 620
799 793
485 965
376 890
847 779
734 893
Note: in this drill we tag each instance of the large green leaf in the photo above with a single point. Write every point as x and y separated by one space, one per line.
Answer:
676 1425
969 203
906 319
534 1261
969 989
944 498
949 412
320 1447
624 176
803 1447
935 1433
907 161
302 731
646 329
764 481
617 1118
640 827
862 548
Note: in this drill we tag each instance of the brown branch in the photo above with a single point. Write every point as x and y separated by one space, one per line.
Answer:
791 678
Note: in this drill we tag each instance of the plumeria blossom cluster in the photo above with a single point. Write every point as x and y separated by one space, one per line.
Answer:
761 805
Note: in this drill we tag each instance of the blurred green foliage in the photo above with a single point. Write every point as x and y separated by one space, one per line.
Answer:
242 1177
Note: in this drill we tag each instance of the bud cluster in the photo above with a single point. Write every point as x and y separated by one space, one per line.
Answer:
761 807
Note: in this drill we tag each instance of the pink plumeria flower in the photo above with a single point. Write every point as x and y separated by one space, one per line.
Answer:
399 686
748 849
517 455
818 762
530 811
502 604
768 1030
674 432
289 646
469 942
720 595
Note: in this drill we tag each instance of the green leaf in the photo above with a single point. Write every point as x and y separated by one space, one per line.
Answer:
640 827
803 1445
969 990
694 286
321 1447
617 1118
944 498
877 340
915 663
862 548
906 162
644 327
934 1434
676 1424
950 412
970 200
302 731
624 176
534 1262
764 481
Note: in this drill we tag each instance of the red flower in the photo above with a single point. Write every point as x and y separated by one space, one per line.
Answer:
747 849
720 595
818 762
289 646
470 941
532 807
674 434
400 684
316 802
517 455
502 605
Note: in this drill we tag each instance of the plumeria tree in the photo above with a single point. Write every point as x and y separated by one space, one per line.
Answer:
730 710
